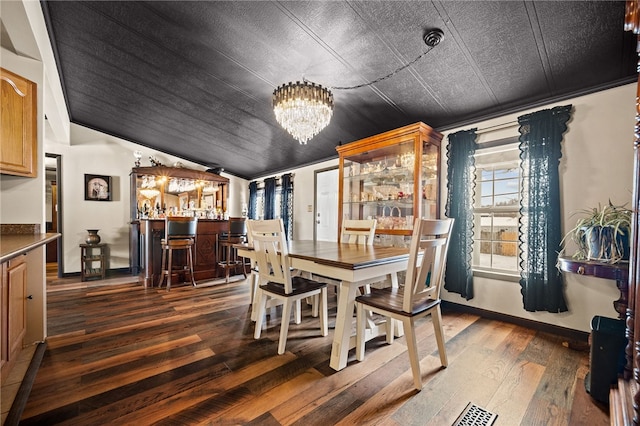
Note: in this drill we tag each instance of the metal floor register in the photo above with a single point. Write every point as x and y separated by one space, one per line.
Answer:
473 415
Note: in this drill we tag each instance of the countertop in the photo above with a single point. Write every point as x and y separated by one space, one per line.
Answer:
12 245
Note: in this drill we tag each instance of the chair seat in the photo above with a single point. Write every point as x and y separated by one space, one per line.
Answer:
177 243
300 285
390 300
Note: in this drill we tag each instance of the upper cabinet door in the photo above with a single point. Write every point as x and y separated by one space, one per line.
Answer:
18 134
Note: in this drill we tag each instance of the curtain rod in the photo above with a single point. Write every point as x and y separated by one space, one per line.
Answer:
497 127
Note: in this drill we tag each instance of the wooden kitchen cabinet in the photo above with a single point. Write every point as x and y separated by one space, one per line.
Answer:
18 132
393 177
14 321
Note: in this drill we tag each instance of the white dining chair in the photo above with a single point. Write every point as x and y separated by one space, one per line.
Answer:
264 226
277 282
417 298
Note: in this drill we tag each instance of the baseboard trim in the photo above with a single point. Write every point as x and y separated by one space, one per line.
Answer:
109 273
20 401
568 333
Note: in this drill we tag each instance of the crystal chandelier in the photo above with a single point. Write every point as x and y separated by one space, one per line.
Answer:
303 109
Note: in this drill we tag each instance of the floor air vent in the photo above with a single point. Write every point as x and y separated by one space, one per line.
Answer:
473 415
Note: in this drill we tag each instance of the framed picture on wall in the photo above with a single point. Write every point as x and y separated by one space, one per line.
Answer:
97 187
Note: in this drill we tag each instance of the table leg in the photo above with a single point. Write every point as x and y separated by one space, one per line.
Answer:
342 332
621 304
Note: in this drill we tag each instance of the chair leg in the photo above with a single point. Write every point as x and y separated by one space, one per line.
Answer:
169 269
284 326
297 314
324 317
255 306
389 326
361 326
262 305
436 317
193 281
254 285
314 305
412 348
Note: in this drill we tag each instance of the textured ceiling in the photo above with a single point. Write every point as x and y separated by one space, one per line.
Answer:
195 79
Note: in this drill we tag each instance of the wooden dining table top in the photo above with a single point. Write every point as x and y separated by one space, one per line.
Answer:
342 255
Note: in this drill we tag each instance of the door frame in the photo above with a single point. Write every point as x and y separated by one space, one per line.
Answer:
59 215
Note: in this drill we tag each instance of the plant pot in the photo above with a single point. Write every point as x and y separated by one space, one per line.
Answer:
603 247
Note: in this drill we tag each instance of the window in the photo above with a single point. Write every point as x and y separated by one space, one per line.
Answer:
260 202
496 208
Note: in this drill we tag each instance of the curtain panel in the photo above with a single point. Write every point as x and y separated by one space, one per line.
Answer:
253 200
460 191
270 198
286 206
540 231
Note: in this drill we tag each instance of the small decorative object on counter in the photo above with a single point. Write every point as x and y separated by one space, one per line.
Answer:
93 237
137 155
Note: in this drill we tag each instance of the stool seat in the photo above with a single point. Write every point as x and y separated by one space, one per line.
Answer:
180 233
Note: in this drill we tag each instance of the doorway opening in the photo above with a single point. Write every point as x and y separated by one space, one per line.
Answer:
53 198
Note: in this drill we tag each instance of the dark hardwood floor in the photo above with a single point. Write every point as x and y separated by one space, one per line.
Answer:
121 354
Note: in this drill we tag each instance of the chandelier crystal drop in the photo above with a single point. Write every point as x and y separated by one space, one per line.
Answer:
303 109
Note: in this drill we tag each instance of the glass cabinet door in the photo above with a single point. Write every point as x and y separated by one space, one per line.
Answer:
392 178
380 185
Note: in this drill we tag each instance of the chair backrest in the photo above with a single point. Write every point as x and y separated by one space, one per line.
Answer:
356 231
237 226
180 227
271 252
427 260
268 225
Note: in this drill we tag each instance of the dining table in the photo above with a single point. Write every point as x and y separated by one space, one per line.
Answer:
351 265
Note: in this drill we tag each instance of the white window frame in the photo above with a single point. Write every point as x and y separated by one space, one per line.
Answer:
509 144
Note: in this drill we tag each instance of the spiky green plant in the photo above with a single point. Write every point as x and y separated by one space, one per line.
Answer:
604 225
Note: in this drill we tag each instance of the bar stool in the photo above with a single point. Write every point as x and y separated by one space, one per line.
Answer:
236 234
179 234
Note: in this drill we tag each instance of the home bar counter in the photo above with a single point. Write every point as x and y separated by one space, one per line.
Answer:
160 191
205 252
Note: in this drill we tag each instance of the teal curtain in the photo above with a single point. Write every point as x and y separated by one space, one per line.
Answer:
270 198
286 206
540 220
460 191
253 200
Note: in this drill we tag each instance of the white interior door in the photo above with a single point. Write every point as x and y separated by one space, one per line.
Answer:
326 209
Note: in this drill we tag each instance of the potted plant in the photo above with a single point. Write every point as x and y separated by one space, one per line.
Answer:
602 233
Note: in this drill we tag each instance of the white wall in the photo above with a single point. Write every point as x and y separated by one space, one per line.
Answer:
596 165
304 196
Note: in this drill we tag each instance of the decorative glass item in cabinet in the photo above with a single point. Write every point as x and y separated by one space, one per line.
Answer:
429 180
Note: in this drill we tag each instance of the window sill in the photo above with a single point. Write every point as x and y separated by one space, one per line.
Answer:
515 278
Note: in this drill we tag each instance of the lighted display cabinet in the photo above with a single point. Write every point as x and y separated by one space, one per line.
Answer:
393 177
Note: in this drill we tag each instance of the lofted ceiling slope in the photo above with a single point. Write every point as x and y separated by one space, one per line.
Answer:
195 79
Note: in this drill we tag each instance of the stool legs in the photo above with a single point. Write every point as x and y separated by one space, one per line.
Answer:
167 264
230 260
169 269
193 282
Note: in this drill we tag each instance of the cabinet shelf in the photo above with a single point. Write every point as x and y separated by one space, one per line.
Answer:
92 258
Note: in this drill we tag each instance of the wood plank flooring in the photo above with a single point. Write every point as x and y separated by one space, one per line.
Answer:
122 354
